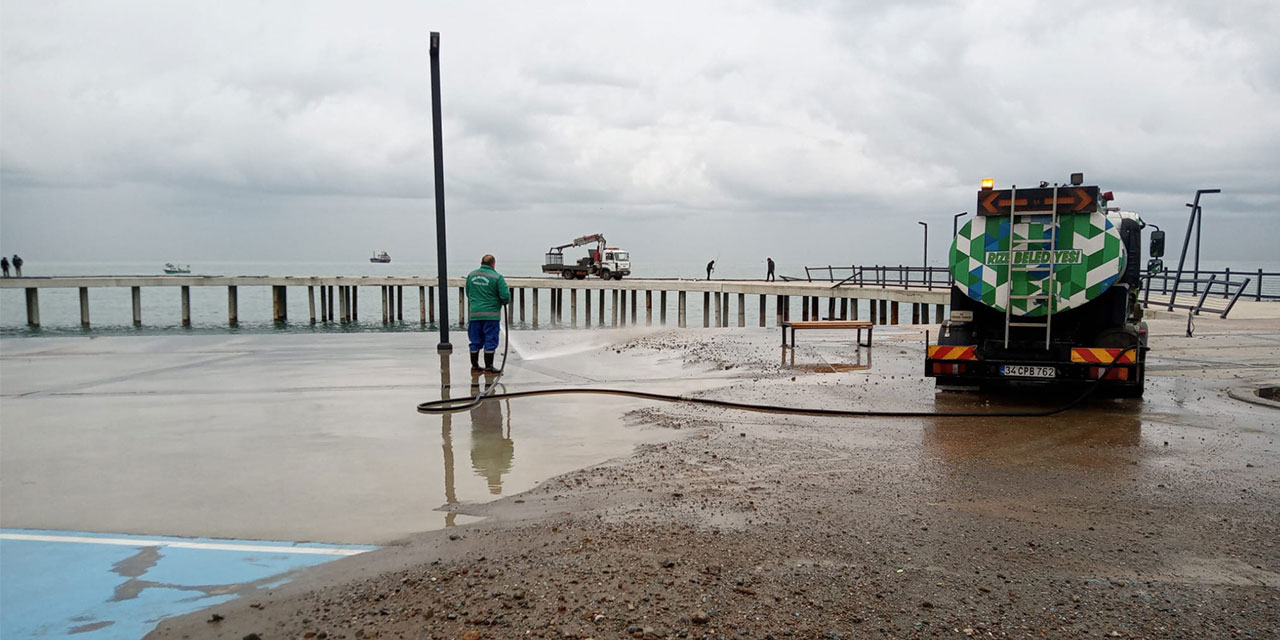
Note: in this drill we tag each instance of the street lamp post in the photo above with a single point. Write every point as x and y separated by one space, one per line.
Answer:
927 274
441 261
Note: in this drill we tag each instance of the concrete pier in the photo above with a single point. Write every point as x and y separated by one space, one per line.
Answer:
339 298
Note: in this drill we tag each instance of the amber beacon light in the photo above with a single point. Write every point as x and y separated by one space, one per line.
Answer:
988 184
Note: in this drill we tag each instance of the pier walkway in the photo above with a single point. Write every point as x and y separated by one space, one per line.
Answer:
338 298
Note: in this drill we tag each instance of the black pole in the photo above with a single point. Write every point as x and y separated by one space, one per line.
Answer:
925 275
441 260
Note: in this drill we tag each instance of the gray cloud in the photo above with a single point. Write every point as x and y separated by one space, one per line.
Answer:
759 124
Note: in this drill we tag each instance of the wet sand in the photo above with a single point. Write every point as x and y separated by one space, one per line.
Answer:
1128 518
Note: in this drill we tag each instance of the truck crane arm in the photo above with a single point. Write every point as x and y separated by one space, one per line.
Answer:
595 237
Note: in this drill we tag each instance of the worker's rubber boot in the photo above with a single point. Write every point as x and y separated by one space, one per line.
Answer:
488 362
475 362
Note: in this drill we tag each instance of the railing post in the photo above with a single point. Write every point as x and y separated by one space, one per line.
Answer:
1258 297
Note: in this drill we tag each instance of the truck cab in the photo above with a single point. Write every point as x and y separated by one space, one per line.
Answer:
616 261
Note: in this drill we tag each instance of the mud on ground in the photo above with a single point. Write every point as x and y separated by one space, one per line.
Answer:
1131 518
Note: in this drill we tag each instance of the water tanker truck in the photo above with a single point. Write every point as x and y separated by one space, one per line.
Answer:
1046 292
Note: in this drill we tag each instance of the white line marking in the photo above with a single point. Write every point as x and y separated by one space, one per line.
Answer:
206 546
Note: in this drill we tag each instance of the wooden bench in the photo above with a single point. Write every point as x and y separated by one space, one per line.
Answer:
795 325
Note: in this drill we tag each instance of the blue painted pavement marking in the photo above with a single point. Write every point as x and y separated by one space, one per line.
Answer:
95 586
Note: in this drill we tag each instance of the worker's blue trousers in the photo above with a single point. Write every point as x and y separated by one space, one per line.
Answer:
483 333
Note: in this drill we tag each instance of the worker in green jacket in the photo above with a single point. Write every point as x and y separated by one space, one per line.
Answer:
486 293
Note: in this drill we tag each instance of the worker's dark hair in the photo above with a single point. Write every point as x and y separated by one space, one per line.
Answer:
487 260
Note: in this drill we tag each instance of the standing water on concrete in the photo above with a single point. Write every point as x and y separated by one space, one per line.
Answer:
290 437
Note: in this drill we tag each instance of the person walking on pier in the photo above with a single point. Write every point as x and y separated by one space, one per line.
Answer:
4 265
711 266
17 264
769 276
487 291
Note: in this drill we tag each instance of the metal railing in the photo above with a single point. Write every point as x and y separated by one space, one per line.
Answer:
1257 285
1230 291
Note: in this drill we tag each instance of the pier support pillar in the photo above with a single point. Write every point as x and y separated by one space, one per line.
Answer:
353 293
706 309
938 314
634 308
552 302
311 302
680 308
764 304
719 316
615 307
535 307
573 308
871 305
601 323
662 308
137 307
279 304
814 302
742 309
385 311
623 296
778 309
884 311
233 306
84 307
893 311
422 304
804 308
521 304
186 306
33 306
324 303
400 302
915 313
844 308
648 307
431 305
725 315
831 308
853 309
332 303
586 308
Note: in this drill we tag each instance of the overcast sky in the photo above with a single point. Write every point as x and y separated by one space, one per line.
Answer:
815 132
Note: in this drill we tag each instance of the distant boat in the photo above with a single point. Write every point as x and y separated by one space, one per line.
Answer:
381 257
172 268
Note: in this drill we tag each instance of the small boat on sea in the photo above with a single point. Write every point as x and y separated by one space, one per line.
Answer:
171 268
381 257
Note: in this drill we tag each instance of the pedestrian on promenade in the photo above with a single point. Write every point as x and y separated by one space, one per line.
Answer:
769 276
4 265
711 266
17 264
487 291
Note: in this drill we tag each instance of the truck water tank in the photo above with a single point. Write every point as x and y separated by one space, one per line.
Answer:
1088 252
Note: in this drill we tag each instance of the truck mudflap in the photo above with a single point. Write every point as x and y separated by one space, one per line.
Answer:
1084 363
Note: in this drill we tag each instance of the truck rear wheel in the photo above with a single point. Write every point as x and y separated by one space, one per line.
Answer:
617 276
581 275
605 274
567 274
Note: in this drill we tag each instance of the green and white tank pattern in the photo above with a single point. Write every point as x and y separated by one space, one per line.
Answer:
1089 253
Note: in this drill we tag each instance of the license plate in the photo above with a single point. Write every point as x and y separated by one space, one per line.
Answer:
1027 371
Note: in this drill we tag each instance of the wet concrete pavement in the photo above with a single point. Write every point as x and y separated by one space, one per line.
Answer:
290 437
1127 518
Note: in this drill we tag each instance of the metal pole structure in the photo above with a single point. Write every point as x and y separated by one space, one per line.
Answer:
925 275
441 261
1186 242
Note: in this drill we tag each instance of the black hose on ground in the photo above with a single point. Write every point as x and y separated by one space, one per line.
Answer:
463 404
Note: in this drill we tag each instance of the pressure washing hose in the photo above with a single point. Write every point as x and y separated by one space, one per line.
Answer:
463 404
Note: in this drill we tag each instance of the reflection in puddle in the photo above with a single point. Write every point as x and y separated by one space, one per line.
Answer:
862 362
492 449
